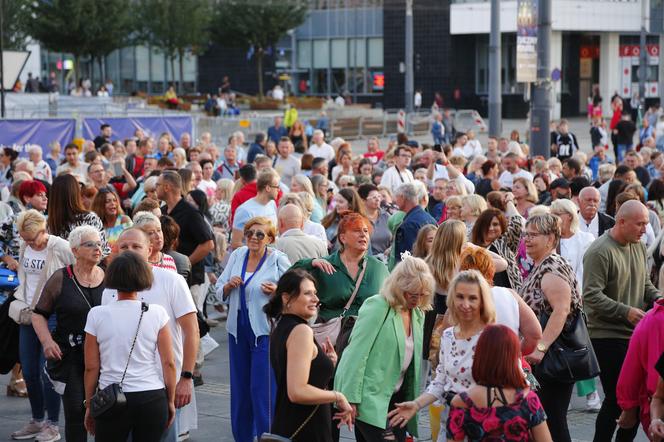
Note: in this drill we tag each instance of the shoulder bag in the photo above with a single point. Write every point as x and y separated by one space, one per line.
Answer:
112 399
571 357
332 328
269 437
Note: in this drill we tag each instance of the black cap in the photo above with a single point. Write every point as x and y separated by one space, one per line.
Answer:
559 182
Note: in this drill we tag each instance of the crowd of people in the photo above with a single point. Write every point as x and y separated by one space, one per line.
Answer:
357 288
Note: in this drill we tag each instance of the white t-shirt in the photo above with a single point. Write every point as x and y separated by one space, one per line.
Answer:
114 326
392 178
33 265
252 208
323 151
507 308
170 291
507 178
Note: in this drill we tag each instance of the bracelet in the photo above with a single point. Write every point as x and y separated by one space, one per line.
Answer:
336 398
658 421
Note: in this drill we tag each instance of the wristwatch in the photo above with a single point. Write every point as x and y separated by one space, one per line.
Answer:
541 347
187 375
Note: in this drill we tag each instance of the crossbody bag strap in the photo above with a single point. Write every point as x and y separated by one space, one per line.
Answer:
70 272
356 289
144 308
306 421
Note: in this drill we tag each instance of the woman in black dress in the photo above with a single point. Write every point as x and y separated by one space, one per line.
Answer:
303 368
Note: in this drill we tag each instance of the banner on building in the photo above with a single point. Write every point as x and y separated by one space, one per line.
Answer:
151 126
20 134
526 41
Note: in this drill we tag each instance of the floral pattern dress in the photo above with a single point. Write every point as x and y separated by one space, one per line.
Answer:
511 422
454 373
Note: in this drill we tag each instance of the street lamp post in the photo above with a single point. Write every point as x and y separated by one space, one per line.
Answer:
409 86
495 96
540 113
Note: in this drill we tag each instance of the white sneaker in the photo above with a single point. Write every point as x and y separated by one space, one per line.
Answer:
593 402
29 430
50 433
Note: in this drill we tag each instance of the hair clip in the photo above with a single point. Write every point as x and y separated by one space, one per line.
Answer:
405 255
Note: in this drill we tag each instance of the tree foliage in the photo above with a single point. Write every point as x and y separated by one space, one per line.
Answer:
15 25
256 23
80 27
174 26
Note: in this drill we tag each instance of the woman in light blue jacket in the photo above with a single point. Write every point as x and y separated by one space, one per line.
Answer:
248 281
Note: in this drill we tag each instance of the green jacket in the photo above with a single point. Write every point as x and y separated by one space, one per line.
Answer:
370 366
334 290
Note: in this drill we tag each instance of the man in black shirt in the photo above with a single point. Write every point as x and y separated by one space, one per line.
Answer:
563 143
624 133
196 239
104 137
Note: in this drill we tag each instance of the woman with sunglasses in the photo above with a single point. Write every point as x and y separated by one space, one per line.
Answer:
68 295
246 285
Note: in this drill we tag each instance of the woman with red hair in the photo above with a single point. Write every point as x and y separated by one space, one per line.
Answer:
500 406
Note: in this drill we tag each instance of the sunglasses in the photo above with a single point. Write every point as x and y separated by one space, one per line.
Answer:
257 233
92 244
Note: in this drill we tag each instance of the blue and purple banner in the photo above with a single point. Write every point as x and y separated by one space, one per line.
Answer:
19 134
151 126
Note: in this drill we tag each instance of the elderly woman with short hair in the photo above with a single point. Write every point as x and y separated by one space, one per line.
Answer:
151 225
246 285
40 256
551 288
393 319
69 294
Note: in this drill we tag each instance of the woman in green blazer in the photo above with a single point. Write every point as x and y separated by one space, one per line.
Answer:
381 365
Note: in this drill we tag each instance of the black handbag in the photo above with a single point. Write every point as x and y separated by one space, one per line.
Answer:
571 357
112 399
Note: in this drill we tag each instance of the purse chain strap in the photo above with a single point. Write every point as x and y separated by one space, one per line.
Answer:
144 307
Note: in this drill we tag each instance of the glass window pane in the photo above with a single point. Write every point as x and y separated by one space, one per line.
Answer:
321 54
360 59
339 53
304 54
375 52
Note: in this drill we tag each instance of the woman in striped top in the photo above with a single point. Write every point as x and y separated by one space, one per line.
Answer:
151 225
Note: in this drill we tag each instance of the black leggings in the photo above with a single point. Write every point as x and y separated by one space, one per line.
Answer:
72 401
611 355
555 399
145 418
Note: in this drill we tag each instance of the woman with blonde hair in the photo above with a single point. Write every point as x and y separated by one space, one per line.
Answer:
221 209
472 207
471 309
301 183
525 195
443 260
424 241
452 209
391 319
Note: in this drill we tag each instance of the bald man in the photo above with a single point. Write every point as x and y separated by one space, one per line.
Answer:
616 291
171 292
292 240
591 220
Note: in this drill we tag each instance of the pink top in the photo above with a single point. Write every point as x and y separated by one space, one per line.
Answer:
638 378
167 262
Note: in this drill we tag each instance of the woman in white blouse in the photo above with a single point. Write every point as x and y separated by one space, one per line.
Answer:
470 308
573 242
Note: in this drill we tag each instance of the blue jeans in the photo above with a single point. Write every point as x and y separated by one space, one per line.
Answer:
252 381
622 149
40 390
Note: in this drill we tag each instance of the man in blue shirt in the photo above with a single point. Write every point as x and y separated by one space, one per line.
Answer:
277 131
407 198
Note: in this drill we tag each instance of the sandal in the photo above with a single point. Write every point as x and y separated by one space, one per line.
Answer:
16 388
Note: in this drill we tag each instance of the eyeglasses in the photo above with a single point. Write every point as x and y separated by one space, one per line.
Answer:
531 235
92 244
257 233
406 156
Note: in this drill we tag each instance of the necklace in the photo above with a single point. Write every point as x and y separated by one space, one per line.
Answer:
86 283
158 261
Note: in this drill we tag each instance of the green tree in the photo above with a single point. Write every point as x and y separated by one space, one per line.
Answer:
80 27
15 28
256 23
175 27
108 30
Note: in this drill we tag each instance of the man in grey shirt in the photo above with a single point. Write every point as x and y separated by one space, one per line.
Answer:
286 165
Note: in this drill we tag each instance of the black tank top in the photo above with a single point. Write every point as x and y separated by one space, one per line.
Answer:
289 416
